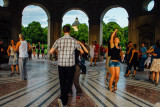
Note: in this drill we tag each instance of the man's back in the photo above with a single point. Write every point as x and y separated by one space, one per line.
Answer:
23 49
66 50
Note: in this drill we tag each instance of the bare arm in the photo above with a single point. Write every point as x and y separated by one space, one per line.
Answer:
29 47
129 50
51 51
8 51
81 51
85 49
17 47
150 50
112 37
132 56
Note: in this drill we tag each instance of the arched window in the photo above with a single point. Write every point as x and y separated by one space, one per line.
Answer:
35 24
114 18
78 20
4 3
150 5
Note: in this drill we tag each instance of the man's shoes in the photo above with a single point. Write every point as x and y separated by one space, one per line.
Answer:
60 103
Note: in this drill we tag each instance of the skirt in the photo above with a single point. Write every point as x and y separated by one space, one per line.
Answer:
13 60
155 66
96 55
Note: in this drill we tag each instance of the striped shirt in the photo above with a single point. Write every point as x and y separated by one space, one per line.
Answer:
66 50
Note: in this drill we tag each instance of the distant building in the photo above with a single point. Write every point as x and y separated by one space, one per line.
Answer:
75 24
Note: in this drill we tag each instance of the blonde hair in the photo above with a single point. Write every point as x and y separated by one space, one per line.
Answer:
21 36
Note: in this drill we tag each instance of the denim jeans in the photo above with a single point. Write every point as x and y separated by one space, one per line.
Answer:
141 64
83 60
22 68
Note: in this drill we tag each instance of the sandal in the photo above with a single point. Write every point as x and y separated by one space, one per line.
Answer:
126 75
111 90
115 88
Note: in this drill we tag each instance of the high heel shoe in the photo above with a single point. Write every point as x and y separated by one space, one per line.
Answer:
110 89
115 88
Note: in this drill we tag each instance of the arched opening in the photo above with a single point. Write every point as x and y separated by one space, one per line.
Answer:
35 25
4 3
148 5
78 20
113 18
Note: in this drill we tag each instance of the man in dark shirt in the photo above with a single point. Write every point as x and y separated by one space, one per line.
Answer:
1 51
83 58
38 47
129 54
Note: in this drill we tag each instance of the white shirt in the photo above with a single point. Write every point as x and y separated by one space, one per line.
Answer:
23 49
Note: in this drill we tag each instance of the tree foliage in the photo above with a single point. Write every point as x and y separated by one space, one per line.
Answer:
122 33
81 34
34 33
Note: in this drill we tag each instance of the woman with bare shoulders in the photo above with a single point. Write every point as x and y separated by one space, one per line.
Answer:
114 64
13 58
42 50
133 60
34 50
92 46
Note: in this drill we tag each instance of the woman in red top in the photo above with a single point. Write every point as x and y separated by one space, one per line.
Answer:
96 50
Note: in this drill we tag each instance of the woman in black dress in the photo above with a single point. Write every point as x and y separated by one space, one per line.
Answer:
34 50
42 51
133 60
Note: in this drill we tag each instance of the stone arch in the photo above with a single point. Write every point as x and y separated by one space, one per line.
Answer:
49 21
40 5
74 8
5 3
145 5
103 14
80 9
110 7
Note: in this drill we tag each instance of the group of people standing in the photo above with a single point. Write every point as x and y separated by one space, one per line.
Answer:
39 48
18 55
15 55
137 58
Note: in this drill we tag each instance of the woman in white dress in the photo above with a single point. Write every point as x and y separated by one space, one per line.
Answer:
13 58
91 52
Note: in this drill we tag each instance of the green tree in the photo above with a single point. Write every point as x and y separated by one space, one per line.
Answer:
35 32
122 33
82 33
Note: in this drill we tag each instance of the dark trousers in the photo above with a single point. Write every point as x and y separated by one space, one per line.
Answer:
127 66
66 79
141 64
38 53
76 80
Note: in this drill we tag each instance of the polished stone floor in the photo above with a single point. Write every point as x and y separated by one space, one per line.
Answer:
42 88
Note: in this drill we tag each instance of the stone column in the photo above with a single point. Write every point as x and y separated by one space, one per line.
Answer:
16 26
157 21
94 31
133 33
54 31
